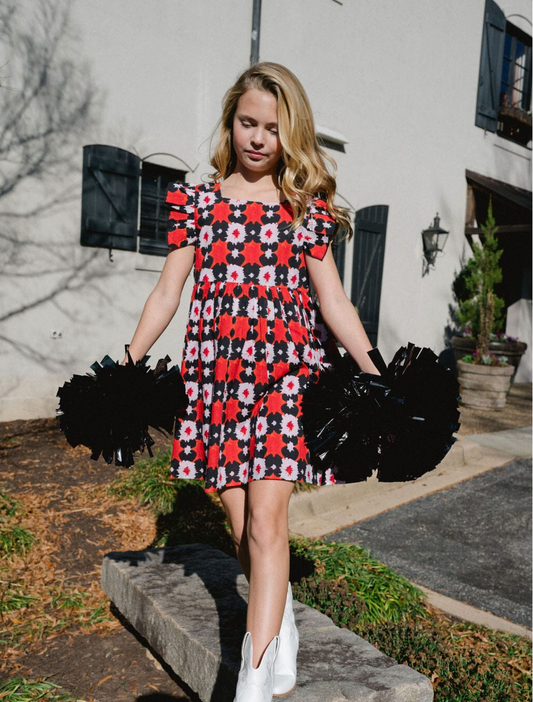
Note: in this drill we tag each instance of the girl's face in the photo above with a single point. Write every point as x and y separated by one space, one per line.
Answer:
255 131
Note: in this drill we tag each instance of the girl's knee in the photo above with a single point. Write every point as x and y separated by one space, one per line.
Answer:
265 526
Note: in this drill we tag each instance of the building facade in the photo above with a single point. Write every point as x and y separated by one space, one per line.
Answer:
426 108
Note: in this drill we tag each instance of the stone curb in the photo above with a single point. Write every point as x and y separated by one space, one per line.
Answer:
473 614
189 602
321 511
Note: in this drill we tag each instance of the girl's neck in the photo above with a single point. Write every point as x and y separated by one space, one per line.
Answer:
249 185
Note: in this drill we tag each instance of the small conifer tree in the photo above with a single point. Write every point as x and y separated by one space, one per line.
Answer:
482 311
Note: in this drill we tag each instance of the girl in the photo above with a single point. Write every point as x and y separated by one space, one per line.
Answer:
255 338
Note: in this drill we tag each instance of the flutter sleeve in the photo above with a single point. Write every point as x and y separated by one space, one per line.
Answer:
319 228
181 197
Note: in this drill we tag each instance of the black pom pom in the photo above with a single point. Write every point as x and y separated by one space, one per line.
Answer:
400 422
110 411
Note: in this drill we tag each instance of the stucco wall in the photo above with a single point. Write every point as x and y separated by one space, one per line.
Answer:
398 80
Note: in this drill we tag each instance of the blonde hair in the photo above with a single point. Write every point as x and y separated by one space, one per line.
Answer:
302 172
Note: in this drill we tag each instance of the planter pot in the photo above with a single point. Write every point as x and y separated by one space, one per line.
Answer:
482 386
514 350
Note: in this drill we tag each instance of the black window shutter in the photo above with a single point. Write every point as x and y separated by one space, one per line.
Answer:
367 272
110 197
153 233
490 67
338 249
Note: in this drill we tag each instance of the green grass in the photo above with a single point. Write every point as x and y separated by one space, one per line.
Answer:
13 597
300 486
149 482
173 501
52 611
69 599
9 507
29 690
465 662
462 672
14 539
387 595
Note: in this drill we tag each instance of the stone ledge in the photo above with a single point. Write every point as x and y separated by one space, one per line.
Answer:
189 602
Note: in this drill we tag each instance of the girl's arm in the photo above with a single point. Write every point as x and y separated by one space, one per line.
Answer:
338 312
162 302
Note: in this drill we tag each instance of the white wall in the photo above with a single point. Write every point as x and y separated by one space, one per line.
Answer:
399 80
401 85
164 69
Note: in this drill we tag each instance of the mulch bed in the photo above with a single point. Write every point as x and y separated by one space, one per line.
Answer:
63 494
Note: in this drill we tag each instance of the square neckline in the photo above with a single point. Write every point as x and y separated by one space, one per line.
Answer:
218 192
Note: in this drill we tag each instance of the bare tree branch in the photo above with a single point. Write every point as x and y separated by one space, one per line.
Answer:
50 102
71 193
71 282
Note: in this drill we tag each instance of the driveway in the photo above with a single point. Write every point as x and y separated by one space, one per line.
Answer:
471 541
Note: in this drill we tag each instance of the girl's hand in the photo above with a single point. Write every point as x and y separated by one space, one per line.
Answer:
125 359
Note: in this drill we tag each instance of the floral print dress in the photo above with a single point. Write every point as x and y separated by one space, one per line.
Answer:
254 339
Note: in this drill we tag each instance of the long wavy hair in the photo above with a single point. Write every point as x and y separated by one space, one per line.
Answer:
301 171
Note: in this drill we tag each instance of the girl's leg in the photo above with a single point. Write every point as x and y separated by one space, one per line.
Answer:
234 501
268 544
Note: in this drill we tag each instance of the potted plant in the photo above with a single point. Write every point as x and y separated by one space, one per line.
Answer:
501 345
484 369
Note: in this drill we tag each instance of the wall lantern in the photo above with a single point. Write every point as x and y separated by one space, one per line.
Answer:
434 238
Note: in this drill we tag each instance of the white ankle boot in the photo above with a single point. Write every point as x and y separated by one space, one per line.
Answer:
256 684
285 663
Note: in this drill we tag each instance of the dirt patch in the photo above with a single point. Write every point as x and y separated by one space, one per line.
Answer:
120 666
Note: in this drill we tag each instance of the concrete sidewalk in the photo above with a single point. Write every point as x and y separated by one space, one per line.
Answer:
515 442
333 508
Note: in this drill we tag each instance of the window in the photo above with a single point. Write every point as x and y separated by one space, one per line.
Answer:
110 200
155 180
514 122
330 138
504 87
